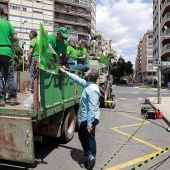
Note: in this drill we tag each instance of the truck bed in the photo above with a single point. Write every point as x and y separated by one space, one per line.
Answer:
21 97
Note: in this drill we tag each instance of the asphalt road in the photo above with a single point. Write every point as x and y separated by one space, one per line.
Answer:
115 150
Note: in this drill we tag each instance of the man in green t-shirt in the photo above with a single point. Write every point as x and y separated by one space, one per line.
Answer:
59 43
7 36
33 55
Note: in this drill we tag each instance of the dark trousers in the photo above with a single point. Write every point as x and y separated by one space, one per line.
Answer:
87 139
7 69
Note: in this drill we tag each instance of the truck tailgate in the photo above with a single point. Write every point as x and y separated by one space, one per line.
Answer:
16 139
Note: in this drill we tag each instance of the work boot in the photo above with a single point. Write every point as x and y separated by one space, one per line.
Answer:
14 101
90 162
2 103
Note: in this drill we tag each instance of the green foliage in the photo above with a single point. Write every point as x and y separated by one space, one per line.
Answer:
17 53
121 69
121 82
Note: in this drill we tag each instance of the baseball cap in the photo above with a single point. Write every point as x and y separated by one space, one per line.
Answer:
63 31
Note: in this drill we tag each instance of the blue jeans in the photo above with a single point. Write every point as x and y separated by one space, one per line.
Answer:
7 71
32 73
70 63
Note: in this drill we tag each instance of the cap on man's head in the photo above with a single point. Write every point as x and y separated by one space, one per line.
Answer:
63 31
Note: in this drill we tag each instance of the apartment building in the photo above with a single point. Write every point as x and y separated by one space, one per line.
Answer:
108 47
162 17
144 60
138 74
26 15
77 15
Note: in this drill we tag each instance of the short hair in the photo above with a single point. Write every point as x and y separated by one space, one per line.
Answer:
94 75
84 42
34 33
71 43
1 11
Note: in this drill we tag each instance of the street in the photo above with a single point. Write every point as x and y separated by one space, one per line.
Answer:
115 150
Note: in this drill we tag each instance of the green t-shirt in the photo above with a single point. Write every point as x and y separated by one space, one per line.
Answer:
35 45
59 47
6 32
71 52
80 53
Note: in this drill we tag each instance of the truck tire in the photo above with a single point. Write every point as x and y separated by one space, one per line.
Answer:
77 122
101 99
68 126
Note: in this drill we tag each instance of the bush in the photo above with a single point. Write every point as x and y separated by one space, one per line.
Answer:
121 82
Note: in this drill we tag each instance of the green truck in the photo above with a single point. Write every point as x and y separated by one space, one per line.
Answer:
54 113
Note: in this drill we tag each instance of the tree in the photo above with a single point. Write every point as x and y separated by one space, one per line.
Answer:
121 68
17 53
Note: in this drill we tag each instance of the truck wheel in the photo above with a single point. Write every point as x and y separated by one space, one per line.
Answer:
77 122
101 99
68 126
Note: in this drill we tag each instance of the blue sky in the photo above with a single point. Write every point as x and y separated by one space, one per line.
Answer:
124 22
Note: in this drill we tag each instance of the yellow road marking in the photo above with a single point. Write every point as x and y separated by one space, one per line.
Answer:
130 125
132 117
134 108
139 140
132 162
140 159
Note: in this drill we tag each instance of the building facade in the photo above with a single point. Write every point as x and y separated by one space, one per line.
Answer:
145 69
75 15
79 16
161 17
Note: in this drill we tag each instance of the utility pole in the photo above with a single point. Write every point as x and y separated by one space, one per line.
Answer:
159 55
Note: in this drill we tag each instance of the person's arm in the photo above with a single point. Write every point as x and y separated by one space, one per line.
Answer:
83 57
93 102
14 38
74 77
29 55
63 59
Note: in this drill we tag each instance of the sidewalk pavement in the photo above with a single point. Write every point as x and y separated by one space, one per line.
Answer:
164 107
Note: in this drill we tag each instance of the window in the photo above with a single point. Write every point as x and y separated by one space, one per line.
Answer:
150 61
150 36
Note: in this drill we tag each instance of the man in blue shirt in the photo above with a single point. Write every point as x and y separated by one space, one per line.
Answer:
88 113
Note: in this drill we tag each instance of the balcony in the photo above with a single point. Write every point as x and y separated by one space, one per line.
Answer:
165 18
164 5
72 21
75 12
77 3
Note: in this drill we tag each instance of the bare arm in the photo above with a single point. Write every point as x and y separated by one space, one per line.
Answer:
83 57
14 38
63 59
30 53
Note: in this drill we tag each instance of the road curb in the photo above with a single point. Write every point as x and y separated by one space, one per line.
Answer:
163 117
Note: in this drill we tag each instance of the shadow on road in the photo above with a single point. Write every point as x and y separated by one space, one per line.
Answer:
41 151
76 154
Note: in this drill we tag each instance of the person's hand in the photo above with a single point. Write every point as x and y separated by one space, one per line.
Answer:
89 129
62 69
27 64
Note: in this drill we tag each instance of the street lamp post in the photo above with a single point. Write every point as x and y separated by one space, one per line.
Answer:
159 56
23 44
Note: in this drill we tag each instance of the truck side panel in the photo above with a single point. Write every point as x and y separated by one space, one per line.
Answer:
16 139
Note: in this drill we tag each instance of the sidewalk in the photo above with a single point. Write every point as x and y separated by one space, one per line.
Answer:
164 107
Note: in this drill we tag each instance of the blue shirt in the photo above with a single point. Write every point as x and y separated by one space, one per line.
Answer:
89 102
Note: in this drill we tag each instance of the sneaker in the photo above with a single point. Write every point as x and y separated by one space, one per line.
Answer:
14 101
2 103
90 162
